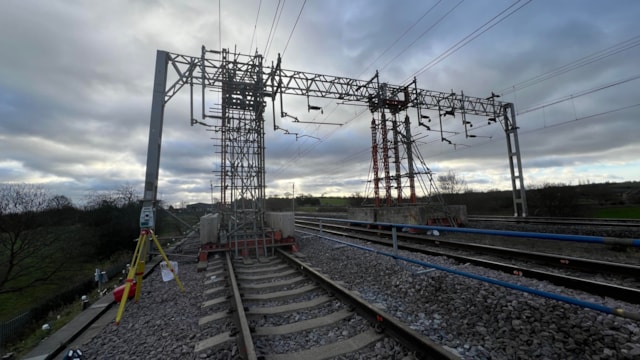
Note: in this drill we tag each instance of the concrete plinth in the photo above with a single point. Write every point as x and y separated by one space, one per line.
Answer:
209 225
414 215
281 221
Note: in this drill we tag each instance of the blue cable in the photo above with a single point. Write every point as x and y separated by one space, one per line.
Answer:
525 234
558 297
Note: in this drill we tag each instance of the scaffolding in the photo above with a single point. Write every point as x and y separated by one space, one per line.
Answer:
241 144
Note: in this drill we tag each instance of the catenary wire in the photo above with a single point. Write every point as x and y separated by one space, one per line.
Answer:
469 38
364 70
298 156
440 19
273 23
589 91
294 28
563 123
275 29
579 94
576 64
584 118
255 28
418 38
455 49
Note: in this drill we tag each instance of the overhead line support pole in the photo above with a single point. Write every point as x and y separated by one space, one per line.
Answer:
513 147
155 130
409 147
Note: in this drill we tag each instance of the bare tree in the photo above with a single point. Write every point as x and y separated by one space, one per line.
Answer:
29 253
59 202
452 183
98 199
121 197
126 195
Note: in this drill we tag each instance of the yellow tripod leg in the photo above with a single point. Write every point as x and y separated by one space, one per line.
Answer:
164 256
144 247
139 273
130 275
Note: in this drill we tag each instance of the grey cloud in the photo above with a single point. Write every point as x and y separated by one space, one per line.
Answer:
76 81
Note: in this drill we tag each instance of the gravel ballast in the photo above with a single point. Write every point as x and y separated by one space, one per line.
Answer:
163 324
479 320
474 319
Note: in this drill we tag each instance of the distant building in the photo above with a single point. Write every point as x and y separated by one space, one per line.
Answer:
198 207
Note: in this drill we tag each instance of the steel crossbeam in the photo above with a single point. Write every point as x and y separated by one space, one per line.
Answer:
292 82
434 100
190 70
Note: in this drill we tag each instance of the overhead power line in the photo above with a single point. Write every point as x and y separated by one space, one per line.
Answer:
335 106
400 37
440 19
583 118
255 27
312 147
276 19
576 64
482 29
579 94
497 19
423 34
294 28
545 127
273 22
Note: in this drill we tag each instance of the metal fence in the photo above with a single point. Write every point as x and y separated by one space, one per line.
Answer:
10 329
15 327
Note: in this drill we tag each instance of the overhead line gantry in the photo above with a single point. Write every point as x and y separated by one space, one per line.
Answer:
244 83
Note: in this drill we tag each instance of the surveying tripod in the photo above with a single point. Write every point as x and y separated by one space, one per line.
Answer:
139 255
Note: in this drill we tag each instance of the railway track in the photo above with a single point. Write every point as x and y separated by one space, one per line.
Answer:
472 319
285 310
596 222
444 299
512 261
273 308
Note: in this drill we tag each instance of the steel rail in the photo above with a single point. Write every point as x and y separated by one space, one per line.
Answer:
247 349
586 304
519 234
617 222
423 346
561 261
628 294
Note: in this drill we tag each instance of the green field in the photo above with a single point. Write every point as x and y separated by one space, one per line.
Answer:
81 264
14 304
626 212
334 201
81 268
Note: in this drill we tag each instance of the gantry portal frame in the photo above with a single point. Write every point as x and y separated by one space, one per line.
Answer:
384 97
244 83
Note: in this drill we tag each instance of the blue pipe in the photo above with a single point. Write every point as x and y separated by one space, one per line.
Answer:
558 297
525 234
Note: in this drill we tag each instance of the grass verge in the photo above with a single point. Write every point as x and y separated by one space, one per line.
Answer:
623 212
56 319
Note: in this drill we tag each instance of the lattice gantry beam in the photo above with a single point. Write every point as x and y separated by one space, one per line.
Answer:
207 71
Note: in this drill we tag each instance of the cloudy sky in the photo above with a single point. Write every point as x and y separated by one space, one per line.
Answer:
76 81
